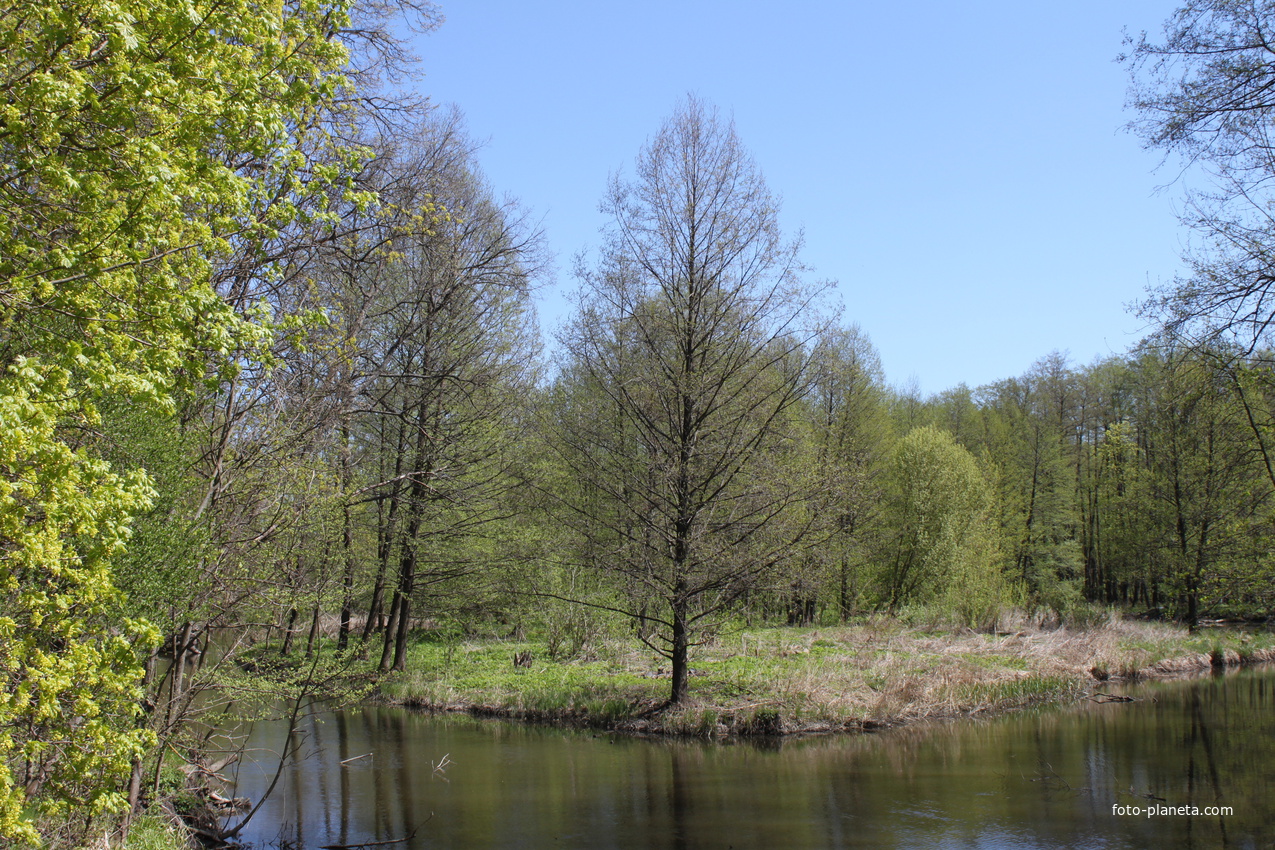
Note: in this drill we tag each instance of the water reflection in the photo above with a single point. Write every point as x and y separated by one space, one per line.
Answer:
1044 779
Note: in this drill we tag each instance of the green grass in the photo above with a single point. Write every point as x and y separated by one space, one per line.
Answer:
1014 693
996 662
482 675
150 832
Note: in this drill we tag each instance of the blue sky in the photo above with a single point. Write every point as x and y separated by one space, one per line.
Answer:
960 169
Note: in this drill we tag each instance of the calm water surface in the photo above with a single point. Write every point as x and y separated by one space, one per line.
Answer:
1039 779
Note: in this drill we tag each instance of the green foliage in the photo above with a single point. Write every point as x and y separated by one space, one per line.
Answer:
1027 690
1122 488
568 628
848 440
71 674
943 545
123 129
1208 502
1031 446
159 569
764 721
482 673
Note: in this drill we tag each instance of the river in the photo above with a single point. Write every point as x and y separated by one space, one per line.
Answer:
1114 775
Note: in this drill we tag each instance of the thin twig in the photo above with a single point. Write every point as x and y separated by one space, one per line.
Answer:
379 843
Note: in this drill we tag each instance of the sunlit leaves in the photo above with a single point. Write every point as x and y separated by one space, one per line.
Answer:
71 673
140 140
944 544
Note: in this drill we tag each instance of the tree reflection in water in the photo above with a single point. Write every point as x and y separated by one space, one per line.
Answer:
1041 779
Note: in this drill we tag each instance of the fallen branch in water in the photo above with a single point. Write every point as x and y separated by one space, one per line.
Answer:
379 843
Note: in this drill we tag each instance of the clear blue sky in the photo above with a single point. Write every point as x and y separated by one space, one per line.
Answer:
960 169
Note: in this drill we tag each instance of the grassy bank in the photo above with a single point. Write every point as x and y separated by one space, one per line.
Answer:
880 672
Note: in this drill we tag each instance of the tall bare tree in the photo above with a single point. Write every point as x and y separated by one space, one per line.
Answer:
682 370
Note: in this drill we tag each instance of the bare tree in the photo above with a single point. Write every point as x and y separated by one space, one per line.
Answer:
449 354
1207 93
682 371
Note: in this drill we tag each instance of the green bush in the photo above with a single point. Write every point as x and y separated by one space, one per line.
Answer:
942 548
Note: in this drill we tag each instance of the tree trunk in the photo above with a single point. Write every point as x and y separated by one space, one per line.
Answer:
1192 605
391 628
375 614
179 667
681 654
347 544
384 549
843 594
416 500
287 633
396 633
406 580
400 639
314 633
135 774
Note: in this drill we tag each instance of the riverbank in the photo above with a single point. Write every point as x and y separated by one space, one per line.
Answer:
874 674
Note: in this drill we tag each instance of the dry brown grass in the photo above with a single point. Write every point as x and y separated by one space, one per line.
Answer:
878 672
881 673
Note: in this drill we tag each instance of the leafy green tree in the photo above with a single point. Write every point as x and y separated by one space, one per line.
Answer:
123 129
943 545
1034 447
850 436
1104 402
1123 526
431 355
1210 500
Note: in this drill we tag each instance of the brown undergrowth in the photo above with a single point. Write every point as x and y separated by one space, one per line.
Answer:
872 674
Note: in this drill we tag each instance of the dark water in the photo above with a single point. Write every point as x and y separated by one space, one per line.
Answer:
1041 779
